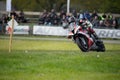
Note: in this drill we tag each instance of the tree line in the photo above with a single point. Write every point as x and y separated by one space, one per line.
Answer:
112 6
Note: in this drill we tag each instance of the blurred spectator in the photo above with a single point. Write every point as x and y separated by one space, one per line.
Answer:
42 18
95 21
107 23
15 15
47 20
53 17
102 20
114 23
0 21
64 20
93 15
81 15
62 16
87 15
74 13
1 31
56 20
21 17
4 19
110 16
104 16
62 13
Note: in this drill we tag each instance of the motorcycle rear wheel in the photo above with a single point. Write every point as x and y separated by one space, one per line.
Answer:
101 46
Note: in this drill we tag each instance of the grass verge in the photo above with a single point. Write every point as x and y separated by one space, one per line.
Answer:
57 60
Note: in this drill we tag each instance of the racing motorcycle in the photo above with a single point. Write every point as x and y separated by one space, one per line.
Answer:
85 37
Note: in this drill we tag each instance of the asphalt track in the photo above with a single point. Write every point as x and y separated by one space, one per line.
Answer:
54 39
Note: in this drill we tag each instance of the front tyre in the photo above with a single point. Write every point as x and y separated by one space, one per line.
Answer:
82 43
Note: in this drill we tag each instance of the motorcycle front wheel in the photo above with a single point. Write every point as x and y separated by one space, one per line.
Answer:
82 43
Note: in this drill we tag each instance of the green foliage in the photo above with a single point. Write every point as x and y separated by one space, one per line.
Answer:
98 5
90 5
37 5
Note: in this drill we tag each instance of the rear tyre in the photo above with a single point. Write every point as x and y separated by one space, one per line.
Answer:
82 43
101 46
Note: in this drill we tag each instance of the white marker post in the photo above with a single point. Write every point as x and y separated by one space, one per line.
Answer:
11 34
11 24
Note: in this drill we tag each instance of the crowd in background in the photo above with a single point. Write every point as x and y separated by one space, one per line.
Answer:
53 18
20 18
98 21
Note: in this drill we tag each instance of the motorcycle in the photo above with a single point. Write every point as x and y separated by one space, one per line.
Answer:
86 38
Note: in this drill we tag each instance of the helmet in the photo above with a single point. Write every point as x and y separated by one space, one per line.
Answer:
80 21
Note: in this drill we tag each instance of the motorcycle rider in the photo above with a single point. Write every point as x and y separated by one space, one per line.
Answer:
83 23
86 24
